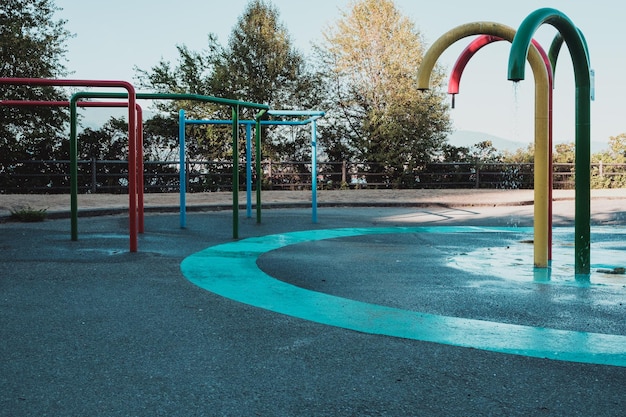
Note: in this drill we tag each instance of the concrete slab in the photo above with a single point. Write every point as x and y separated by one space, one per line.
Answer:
87 328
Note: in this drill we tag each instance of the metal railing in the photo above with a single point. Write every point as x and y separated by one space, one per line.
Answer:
111 176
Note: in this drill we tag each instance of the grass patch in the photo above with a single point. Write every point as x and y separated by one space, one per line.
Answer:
28 214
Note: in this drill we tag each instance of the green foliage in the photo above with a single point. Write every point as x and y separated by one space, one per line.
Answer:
564 153
611 176
32 44
29 214
369 63
521 155
481 152
259 64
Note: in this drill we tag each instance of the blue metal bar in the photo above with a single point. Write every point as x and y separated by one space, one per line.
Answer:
250 122
312 118
314 170
259 174
258 157
248 170
217 122
182 168
235 129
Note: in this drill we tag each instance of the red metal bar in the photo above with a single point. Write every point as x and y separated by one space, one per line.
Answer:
140 177
132 134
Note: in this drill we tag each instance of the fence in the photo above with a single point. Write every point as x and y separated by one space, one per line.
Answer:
110 176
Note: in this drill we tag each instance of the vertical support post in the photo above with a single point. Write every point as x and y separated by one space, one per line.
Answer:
182 168
235 118
73 174
259 172
140 180
477 169
94 177
580 58
314 169
582 169
249 170
133 142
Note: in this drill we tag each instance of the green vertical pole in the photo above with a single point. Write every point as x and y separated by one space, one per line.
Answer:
259 173
235 117
580 58
73 171
582 172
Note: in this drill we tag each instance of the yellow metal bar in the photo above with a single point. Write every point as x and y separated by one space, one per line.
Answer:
541 117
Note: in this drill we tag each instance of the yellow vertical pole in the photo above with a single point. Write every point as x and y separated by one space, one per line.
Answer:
541 117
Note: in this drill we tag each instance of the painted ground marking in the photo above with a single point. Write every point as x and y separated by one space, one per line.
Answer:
231 271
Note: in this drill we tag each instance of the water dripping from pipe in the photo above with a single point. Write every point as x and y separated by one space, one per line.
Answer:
516 112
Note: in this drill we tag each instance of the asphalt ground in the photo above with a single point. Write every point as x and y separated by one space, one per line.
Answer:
88 328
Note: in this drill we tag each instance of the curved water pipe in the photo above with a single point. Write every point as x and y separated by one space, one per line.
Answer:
464 58
454 85
541 117
580 58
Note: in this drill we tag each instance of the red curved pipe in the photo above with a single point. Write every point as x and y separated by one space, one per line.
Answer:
453 89
464 58
475 46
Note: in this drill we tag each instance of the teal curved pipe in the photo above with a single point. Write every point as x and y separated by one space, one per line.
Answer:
555 49
580 59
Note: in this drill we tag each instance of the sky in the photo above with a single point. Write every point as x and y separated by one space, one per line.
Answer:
113 37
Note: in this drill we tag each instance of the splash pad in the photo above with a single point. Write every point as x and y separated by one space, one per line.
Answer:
391 286
522 50
236 265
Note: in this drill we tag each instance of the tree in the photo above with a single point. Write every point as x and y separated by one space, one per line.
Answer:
610 176
564 153
370 61
259 64
521 155
33 45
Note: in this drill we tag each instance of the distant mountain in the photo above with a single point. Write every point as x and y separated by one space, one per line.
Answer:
467 138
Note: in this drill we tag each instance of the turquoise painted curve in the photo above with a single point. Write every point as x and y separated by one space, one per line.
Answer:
231 271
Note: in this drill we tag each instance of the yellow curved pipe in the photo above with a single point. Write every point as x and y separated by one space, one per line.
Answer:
541 117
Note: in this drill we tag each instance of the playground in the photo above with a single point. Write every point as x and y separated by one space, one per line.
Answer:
90 328
444 303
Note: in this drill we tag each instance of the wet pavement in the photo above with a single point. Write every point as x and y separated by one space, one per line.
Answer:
88 328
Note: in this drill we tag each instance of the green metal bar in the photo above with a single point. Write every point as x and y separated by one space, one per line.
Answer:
132 160
580 58
555 48
259 173
235 104
73 173
235 117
